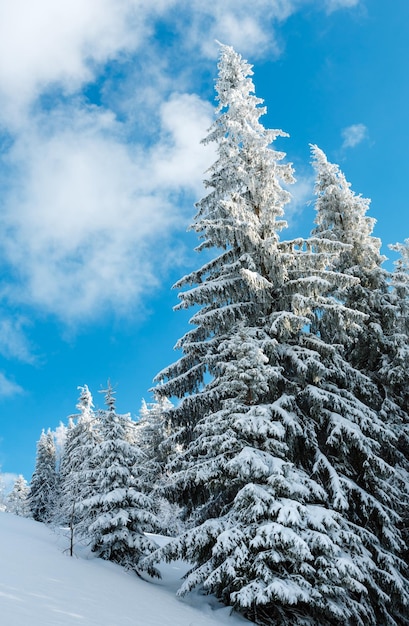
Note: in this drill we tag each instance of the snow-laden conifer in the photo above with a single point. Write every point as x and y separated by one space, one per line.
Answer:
81 437
240 218
44 481
395 369
395 372
75 467
274 433
118 514
3 505
152 432
341 216
381 350
378 494
18 499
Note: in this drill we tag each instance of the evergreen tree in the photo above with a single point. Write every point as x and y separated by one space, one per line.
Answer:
44 482
152 438
151 432
241 217
81 438
60 436
274 438
18 498
3 505
380 352
118 514
341 216
381 349
395 371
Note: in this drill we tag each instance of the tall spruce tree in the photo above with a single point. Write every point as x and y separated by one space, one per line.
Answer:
151 432
118 514
240 217
44 481
75 468
380 352
18 498
81 437
152 439
3 502
395 372
341 216
272 433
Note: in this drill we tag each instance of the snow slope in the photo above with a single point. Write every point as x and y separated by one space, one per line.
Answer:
40 585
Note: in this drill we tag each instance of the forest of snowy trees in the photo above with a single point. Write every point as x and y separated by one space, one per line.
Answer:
276 452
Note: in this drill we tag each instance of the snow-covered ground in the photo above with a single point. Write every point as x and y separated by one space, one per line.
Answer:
40 585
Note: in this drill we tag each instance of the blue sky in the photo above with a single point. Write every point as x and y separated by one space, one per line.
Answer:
102 107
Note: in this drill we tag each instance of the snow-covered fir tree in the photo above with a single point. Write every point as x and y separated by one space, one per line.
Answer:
152 438
118 514
60 436
44 482
380 351
240 216
18 498
396 367
75 482
277 445
80 439
395 372
151 432
341 216
3 505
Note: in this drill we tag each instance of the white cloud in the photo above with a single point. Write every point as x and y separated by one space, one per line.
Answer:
43 42
8 387
7 480
353 135
179 159
249 27
89 212
302 192
13 341
334 5
251 32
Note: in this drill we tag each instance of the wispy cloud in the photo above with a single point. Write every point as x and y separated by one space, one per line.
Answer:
250 27
354 135
13 340
334 5
45 43
7 480
250 30
8 387
302 191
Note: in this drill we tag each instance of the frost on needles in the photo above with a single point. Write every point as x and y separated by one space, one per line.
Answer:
287 465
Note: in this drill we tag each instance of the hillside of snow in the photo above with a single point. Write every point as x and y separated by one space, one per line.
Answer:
40 585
